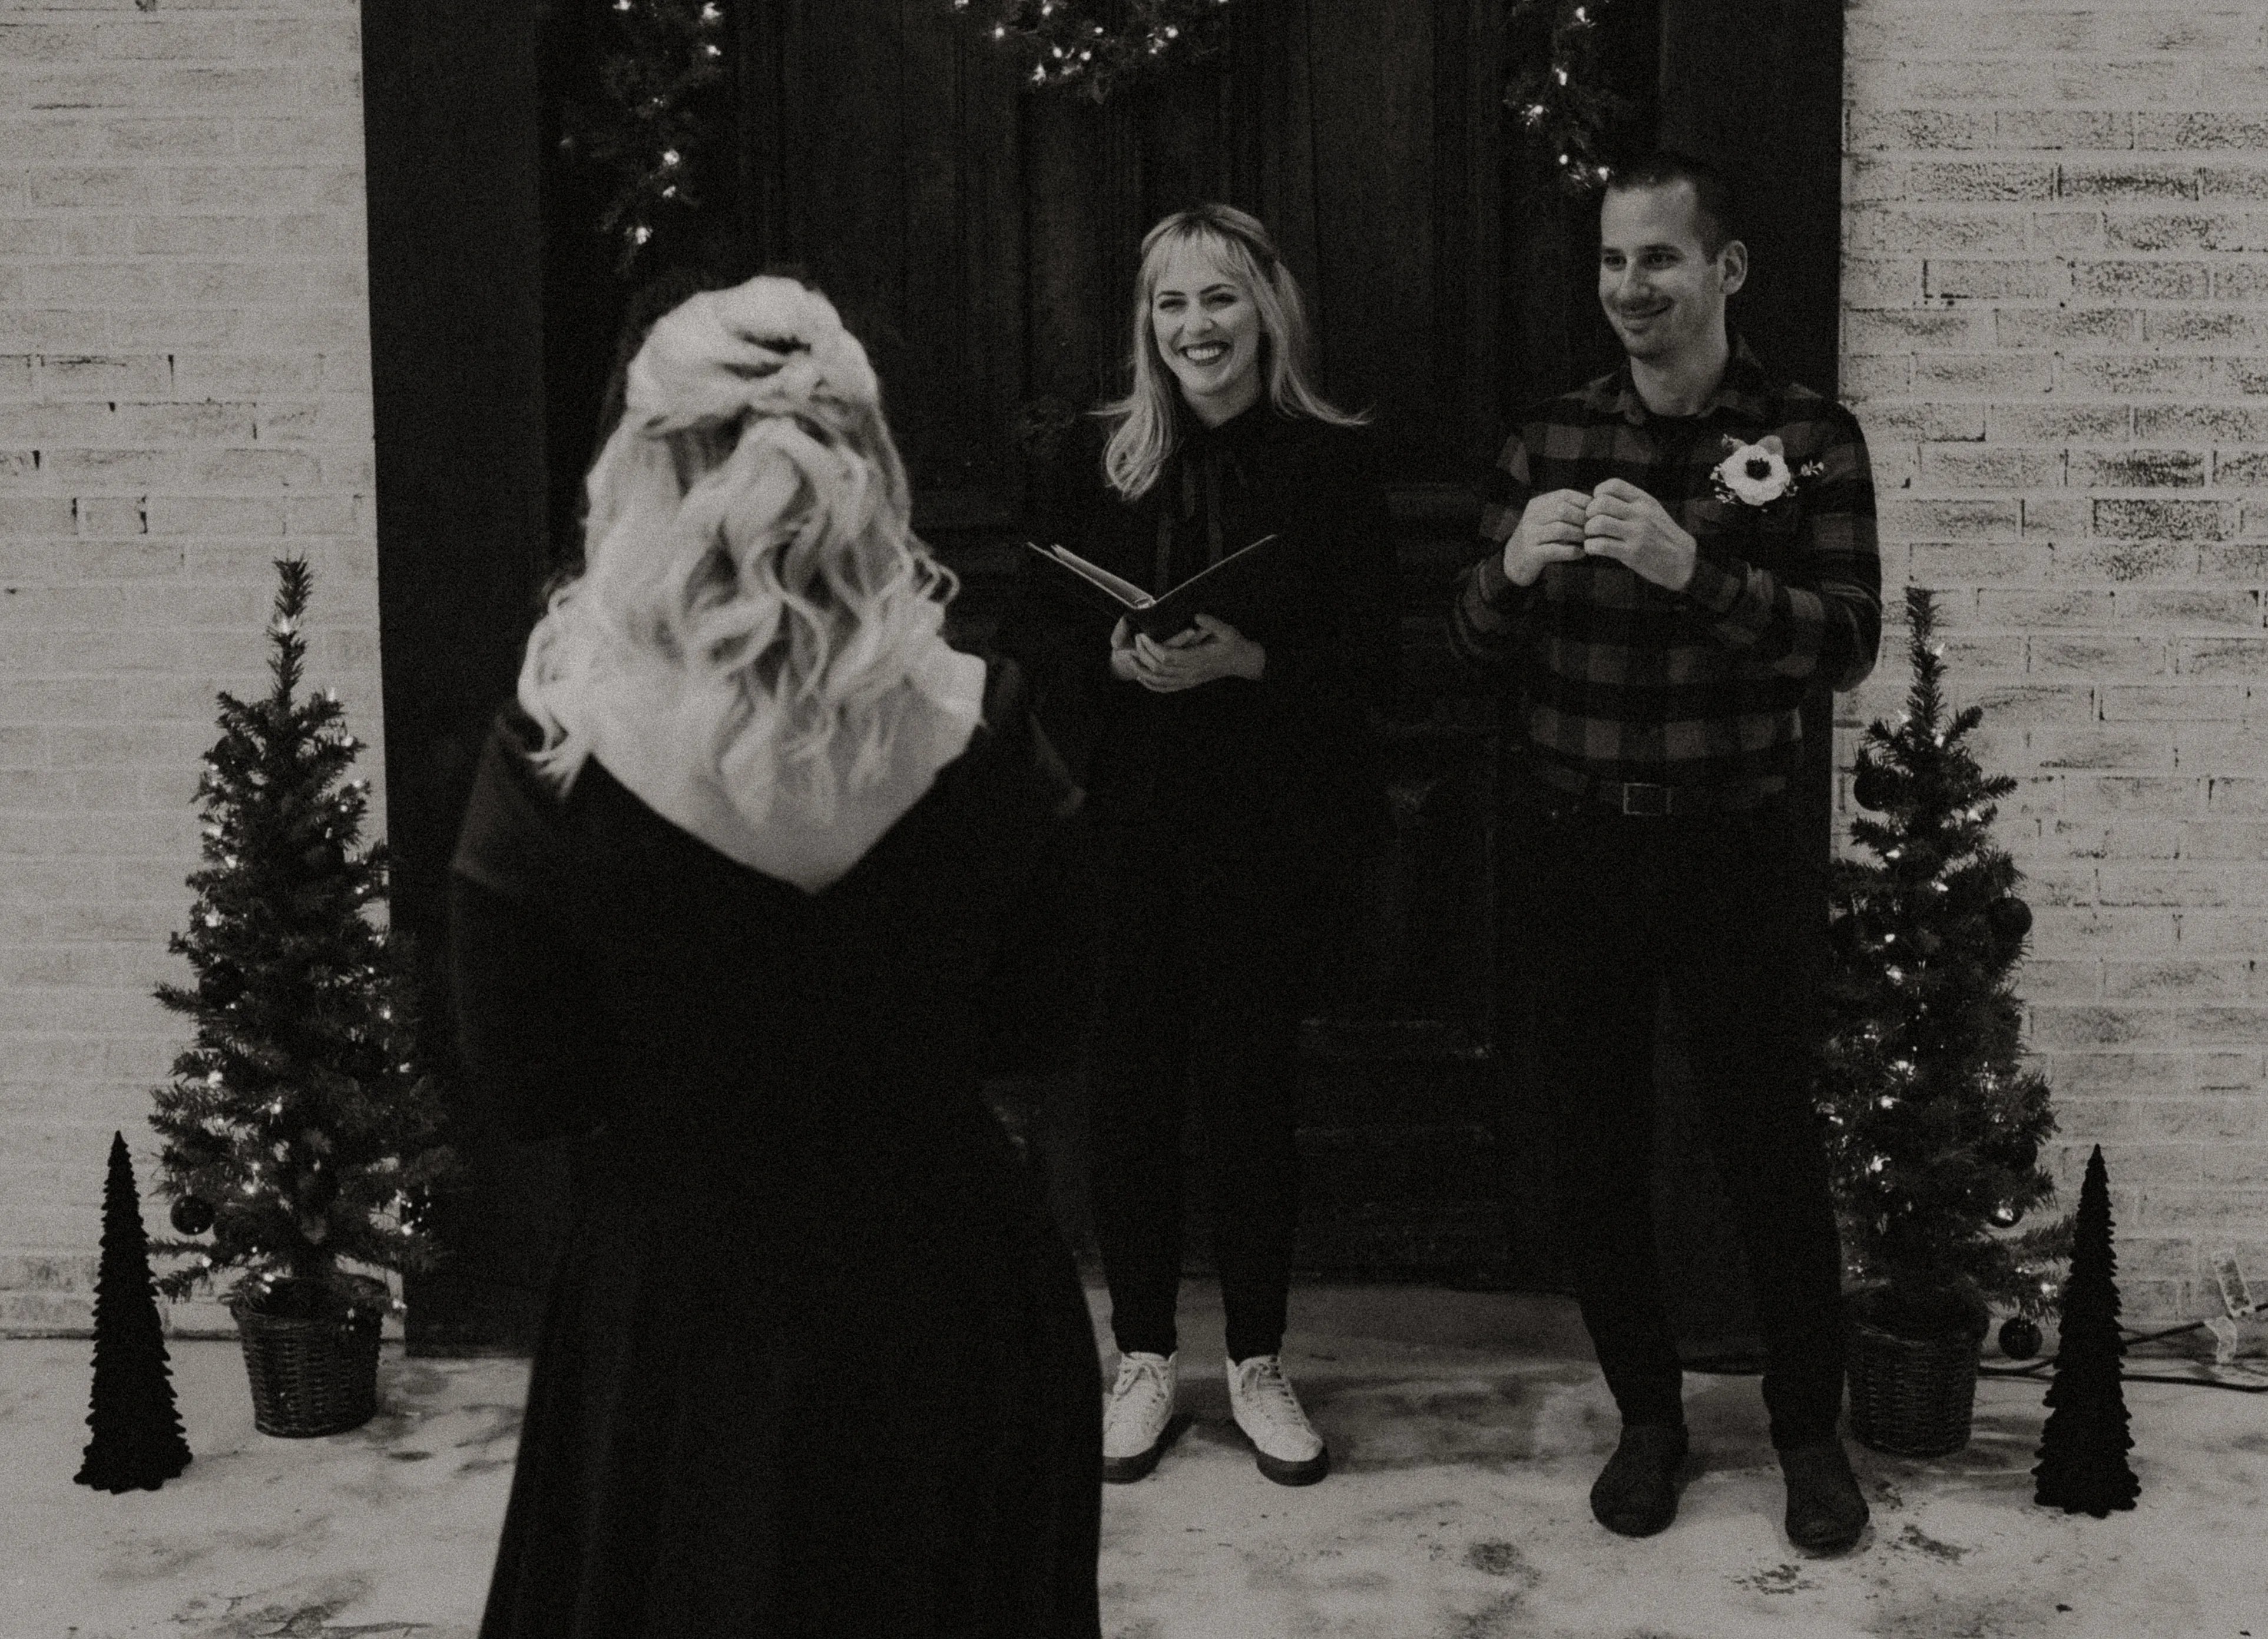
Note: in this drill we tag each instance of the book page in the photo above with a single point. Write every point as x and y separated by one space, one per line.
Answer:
1125 590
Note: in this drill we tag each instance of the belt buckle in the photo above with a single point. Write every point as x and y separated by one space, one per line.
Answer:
1653 805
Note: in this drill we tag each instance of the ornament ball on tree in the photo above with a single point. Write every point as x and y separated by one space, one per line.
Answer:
192 1215
2010 919
1870 789
2020 1338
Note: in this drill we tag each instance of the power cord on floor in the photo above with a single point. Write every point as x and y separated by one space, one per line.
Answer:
2032 1368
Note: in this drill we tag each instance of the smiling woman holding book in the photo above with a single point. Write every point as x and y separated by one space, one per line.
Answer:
1227 760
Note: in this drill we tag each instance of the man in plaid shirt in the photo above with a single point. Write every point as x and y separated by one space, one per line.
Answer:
1678 552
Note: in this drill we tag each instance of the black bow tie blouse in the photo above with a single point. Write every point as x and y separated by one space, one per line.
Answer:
1281 767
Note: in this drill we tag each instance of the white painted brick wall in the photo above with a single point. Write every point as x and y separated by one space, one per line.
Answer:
184 397
2055 262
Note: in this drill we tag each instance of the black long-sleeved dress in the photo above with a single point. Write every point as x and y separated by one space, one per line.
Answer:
815 1360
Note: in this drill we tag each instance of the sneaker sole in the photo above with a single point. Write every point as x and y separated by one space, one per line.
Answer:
1126 1470
1283 1472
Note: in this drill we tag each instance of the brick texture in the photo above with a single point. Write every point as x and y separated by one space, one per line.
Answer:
184 397
2056 256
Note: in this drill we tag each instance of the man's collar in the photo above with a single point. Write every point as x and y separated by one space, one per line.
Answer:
1746 390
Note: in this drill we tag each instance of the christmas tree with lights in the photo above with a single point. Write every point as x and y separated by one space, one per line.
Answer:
298 1129
1934 1121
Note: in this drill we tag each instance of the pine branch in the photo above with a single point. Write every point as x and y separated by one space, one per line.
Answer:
1559 99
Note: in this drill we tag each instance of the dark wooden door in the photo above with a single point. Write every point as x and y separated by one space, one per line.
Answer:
982 240
457 292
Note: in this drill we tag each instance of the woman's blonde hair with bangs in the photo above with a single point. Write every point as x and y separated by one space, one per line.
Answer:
1239 244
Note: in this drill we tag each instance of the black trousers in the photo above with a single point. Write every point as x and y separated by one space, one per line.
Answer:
1204 962
1717 908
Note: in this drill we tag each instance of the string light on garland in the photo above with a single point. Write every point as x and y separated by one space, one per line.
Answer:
1559 99
1073 48
646 134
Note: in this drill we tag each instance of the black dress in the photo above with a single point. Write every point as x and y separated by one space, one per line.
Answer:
815 1361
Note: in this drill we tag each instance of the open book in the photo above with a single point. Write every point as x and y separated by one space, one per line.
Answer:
1160 617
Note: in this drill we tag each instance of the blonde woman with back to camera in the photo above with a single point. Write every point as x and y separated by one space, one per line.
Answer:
815 1361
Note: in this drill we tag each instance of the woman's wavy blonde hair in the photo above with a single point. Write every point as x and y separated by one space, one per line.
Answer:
1145 434
750 539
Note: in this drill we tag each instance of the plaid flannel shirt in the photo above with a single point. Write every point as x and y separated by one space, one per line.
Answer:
1613 679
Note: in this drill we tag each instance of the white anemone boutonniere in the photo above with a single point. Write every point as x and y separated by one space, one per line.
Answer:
1758 475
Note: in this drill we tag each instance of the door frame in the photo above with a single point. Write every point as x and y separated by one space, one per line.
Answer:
477 476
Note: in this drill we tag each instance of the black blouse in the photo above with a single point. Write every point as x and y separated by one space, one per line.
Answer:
1289 755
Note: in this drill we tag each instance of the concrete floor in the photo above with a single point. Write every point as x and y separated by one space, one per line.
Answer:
1467 1429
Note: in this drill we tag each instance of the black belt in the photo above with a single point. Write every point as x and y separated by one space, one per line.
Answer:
1640 800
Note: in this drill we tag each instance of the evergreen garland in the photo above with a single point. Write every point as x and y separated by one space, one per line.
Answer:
1934 1121
650 129
1094 49
297 1122
2082 1466
137 1443
1559 99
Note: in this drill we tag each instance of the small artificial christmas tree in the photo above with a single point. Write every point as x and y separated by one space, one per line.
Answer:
137 1443
297 1129
2082 1466
1934 1122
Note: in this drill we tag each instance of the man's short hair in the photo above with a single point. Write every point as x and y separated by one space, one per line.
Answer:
1715 208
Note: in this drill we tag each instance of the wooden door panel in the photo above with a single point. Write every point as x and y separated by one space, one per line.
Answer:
844 110
1372 64
1414 974
896 176
1072 319
1277 130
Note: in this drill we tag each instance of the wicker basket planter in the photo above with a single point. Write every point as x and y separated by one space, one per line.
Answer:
1912 1396
311 1349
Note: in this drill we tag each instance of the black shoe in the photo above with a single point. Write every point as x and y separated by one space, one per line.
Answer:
1636 1493
1825 1511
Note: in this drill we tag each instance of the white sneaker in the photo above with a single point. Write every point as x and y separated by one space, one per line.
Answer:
1283 1442
1134 1420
